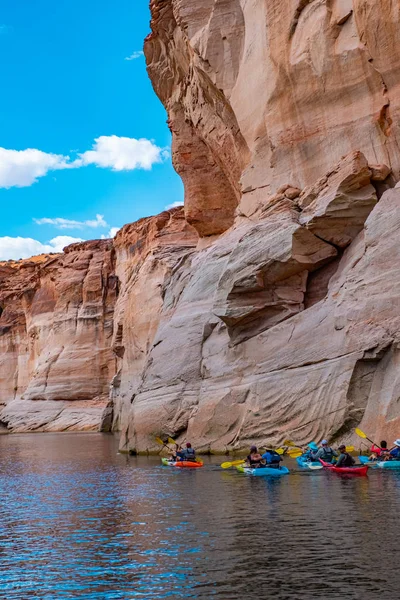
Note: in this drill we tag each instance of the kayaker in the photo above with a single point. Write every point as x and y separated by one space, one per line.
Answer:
272 459
345 459
187 453
394 454
325 452
254 459
379 451
309 450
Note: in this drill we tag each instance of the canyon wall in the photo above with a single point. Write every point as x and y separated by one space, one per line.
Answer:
268 307
56 326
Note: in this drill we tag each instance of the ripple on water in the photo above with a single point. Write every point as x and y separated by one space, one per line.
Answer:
80 521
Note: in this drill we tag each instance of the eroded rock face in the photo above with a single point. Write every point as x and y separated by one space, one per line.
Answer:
56 326
316 370
267 309
263 92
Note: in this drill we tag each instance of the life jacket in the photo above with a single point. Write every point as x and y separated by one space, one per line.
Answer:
348 461
327 455
189 454
272 457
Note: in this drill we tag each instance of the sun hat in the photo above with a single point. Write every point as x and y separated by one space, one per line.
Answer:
313 446
324 442
397 443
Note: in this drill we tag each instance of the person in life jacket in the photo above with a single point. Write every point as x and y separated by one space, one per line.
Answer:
309 450
344 460
187 453
272 459
379 452
394 454
254 458
326 453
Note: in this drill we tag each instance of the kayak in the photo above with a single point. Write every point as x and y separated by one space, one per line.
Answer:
263 471
181 463
304 463
380 464
345 470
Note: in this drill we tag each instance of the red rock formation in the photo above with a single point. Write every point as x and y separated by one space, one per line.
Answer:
268 308
264 92
56 326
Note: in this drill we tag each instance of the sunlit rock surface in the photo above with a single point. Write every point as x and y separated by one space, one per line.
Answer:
267 308
56 326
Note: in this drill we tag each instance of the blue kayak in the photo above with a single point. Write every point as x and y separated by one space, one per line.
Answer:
304 463
264 471
380 464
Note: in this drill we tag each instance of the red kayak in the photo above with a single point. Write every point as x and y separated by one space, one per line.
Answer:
347 470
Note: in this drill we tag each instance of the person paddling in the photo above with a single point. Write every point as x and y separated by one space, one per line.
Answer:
379 452
394 454
344 460
188 453
309 450
325 452
254 459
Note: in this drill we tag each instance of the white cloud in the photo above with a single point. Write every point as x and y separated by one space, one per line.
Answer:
122 153
174 205
19 247
61 223
112 233
136 54
21 168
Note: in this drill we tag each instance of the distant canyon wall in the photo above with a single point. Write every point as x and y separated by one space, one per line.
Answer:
56 327
267 308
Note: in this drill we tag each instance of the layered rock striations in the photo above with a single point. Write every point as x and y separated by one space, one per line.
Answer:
284 118
56 326
267 308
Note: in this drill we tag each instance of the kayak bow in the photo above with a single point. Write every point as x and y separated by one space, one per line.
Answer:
345 470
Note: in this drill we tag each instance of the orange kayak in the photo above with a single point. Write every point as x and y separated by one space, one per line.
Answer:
181 463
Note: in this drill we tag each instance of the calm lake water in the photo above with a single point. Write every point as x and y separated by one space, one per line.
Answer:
80 521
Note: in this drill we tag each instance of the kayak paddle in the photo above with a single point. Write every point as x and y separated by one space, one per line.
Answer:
363 435
159 441
234 463
171 441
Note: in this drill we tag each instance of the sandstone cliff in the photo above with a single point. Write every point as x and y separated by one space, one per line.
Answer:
56 325
283 322
268 307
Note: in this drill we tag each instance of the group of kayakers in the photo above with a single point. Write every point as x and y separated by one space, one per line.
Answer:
382 452
325 453
341 457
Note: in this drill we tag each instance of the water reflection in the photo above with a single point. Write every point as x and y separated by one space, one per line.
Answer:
80 521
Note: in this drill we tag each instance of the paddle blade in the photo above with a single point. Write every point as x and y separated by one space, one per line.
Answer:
315 467
159 441
360 433
280 450
295 453
288 443
228 465
349 448
171 441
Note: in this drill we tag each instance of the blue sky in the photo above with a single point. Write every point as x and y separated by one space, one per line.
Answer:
66 82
